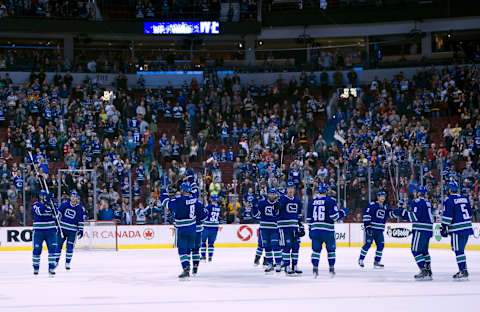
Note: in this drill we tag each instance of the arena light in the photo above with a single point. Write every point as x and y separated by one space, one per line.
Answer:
182 28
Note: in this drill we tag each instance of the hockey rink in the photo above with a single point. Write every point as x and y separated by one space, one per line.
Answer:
146 280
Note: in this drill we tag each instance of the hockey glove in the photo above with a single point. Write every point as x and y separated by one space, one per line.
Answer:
345 211
368 231
399 212
444 231
80 234
301 230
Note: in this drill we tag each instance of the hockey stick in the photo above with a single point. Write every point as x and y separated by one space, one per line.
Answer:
44 186
389 170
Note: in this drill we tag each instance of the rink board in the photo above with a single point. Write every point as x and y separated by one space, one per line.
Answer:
231 235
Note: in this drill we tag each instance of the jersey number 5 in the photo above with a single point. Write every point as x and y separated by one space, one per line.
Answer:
466 215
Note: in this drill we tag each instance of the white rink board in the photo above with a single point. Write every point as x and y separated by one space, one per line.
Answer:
231 235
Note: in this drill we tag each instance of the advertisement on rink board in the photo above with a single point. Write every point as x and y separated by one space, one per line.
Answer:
230 235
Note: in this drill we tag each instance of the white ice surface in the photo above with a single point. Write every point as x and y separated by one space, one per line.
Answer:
146 280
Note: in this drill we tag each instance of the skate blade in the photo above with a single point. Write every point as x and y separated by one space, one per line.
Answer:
269 273
184 279
378 268
461 279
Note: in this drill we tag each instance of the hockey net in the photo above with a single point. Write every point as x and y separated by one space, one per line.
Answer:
99 235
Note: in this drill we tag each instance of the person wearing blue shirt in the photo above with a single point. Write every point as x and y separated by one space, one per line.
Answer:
72 221
267 211
140 174
420 214
289 222
456 222
374 218
322 213
44 230
183 208
210 228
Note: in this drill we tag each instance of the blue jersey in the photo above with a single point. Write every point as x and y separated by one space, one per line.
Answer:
72 218
290 212
457 213
183 208
117 215
43 219
322 213
18 181
251 201
268 212
420 215
375 215
213 214
200 216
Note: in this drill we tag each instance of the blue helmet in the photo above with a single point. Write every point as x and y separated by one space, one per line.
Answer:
42 194
272 190
322 188
290 184
185 187
422 189
452 186
214 198
74 193
381 193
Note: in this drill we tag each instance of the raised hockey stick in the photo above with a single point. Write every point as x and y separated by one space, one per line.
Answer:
389 170
44 186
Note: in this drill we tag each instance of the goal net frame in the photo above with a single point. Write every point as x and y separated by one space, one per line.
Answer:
99 235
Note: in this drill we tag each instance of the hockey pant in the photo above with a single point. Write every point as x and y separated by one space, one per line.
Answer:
318 239
270 241
209 236
50 238
288 239
185 242
458 246
377 237
420 242
70 238
196 248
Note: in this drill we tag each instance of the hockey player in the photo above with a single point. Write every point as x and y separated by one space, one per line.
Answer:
322 213
267 210
456 221
200 217
72 220
210 228
421 217
374 218
289 218
183 209
44 229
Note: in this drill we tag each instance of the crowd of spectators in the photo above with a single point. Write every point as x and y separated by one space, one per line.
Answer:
46 8
266 133
206 9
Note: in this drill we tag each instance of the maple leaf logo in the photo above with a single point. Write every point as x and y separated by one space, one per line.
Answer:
148 234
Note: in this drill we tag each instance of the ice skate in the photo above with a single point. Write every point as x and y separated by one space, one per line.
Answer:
315 272
35 271
378 265
256 262
360 263
423 275
269 269
278 268
331 271
51 273
204 259
209 259
461 275
195 269
67 266
296 270
185 274
289 271
428 267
